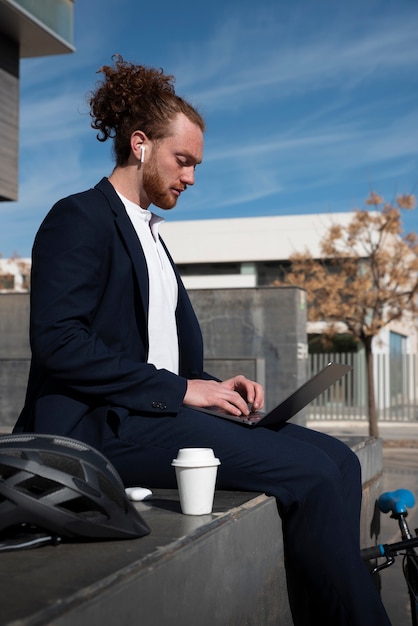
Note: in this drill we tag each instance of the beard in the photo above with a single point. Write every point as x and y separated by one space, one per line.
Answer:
155 188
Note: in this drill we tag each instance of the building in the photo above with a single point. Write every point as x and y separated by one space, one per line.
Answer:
15 275
244 252
255 252
241 253
28 28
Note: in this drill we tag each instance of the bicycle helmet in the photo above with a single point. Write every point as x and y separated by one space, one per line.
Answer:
65 487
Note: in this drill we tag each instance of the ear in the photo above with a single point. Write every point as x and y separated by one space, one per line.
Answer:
138 142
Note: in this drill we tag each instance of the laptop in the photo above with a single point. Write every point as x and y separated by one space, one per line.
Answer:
294 403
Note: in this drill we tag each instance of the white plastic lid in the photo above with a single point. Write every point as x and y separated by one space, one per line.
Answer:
195 457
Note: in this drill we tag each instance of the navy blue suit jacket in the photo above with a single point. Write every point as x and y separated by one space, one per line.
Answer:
88 324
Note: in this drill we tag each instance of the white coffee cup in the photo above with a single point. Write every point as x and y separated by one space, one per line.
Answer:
196 471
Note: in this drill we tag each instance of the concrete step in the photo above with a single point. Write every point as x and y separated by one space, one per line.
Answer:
226 568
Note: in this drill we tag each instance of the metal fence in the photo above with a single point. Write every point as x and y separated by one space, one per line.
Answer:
396 388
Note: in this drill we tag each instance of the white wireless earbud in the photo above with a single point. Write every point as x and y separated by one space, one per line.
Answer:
142 153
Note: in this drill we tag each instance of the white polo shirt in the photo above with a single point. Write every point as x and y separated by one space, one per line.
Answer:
163 289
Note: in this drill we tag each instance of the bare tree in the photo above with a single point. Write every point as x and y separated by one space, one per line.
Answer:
367 278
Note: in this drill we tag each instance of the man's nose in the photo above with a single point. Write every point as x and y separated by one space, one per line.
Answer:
187 176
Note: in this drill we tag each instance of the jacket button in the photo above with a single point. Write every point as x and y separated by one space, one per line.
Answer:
159 405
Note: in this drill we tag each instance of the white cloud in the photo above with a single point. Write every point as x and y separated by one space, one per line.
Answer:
243 64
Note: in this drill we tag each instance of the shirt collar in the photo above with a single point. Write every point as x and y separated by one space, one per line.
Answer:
146 215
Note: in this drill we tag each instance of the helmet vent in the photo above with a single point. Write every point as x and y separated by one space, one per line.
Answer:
38 486
16 453
64 463
84 508
7 471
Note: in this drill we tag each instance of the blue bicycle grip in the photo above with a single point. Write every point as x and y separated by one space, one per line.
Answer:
374 552
396 501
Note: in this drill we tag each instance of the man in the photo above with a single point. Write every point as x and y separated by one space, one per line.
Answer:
117 354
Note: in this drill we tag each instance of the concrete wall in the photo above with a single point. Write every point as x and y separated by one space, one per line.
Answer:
257 332
268 324
14 355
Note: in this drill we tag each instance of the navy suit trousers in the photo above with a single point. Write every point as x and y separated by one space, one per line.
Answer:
315 478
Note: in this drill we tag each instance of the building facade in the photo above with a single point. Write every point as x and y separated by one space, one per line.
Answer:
28 28
255 252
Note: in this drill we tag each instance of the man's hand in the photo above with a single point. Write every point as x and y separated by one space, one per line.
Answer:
238 395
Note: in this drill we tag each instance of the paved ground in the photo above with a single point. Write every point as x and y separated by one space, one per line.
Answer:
394 434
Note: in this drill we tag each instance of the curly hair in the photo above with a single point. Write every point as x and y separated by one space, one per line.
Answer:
134 97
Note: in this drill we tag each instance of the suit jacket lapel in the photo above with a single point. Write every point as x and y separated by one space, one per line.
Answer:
130 239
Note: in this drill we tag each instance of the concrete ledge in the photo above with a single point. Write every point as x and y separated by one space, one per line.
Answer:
227 568
221 569
370 453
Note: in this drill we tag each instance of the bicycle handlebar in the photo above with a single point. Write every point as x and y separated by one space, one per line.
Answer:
384 549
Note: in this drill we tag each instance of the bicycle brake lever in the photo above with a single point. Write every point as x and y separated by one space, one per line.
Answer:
389 561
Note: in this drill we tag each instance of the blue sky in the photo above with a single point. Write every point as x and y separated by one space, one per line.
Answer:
309 105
